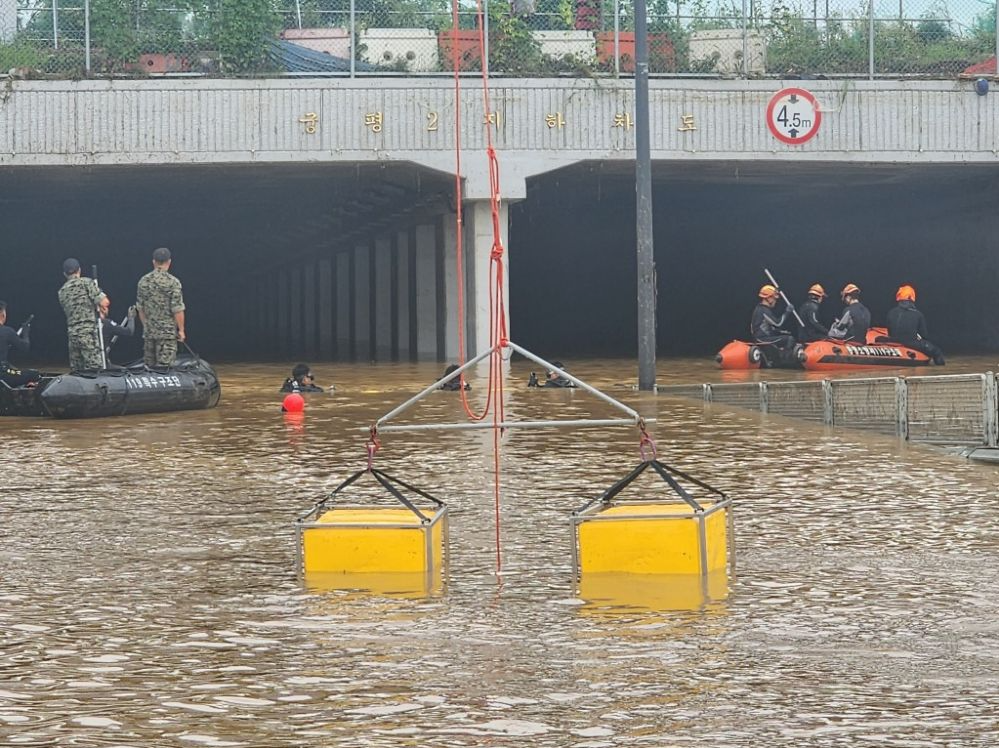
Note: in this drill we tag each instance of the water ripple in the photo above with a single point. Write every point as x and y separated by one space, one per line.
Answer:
148 595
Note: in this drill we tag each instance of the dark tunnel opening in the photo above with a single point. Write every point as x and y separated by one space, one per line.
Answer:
718 224
571 247
227 227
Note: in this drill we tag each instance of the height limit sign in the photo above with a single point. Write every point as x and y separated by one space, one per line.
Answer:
793 116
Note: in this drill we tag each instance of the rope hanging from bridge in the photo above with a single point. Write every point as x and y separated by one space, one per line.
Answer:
498 337
500 345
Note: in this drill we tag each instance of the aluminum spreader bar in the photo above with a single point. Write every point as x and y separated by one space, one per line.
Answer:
633 417
578 382
581 422
435 386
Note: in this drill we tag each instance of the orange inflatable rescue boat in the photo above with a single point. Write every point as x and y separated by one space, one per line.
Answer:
823 355
742 355
837 355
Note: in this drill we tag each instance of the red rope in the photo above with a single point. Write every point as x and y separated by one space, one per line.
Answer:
373 445
498 336
644 441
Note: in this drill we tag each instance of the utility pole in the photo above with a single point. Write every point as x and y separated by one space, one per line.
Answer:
643 190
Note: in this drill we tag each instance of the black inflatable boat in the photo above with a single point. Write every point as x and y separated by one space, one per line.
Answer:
191 384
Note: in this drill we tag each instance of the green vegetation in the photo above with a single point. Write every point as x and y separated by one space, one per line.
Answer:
512 47
20 55
241 31
929 47
237 35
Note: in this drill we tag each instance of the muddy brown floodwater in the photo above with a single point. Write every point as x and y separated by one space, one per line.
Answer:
148 595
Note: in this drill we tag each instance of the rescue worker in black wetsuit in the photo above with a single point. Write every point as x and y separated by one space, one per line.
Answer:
10 339
855 321
809 312
301 380
766 327
455 385
552 378
907 325
111 328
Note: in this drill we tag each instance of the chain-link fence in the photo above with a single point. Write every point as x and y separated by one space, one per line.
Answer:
949 409
747 38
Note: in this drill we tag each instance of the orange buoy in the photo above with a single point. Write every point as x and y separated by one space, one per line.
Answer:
293 403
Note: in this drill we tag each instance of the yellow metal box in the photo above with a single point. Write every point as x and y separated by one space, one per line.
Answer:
653 538
689 531
381 540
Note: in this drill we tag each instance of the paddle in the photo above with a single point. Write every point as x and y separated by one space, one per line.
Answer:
191 350
784 296
100 323
27 322
114 338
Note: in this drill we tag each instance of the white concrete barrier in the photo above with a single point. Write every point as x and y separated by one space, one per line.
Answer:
416 48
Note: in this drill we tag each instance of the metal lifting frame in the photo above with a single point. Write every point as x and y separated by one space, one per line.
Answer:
634 419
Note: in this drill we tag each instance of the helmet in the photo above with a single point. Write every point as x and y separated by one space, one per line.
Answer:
767 291
817 290
849 289
905 293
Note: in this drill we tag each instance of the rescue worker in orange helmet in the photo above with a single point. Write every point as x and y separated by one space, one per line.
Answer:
813 329
907 325
766 327
855 320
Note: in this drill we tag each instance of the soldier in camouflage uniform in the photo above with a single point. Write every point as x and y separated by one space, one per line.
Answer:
81 298
161 309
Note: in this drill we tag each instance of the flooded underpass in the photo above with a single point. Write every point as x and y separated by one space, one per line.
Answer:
718 224
352 261
148 593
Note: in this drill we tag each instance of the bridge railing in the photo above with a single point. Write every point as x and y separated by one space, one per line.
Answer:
744 39
953 409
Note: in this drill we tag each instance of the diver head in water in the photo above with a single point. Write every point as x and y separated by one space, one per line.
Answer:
456 384
301 380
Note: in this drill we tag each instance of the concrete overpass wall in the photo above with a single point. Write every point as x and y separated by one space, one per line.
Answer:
177 121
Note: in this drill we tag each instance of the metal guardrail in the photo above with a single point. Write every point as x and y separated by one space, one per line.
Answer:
537 38
959 409
797 400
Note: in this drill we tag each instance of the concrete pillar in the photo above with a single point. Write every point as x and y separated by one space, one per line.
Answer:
426 292
265 314
450 286
310 310
8 21
402 296
394 294
344 313
282 314
274 314
362 302
383 299
439 274
478 248
296 336
327 343
414 352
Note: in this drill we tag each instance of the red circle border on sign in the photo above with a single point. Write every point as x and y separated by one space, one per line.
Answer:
783 93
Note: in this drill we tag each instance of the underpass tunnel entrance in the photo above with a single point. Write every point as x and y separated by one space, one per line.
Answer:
718 224
341 261
236 233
